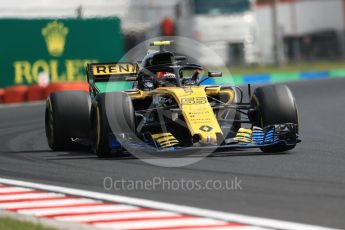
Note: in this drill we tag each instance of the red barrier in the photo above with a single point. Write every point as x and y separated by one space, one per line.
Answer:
55 87
80 85
21 93
36 93
16 94
2 93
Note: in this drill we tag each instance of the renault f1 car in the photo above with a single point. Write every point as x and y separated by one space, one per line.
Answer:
160 104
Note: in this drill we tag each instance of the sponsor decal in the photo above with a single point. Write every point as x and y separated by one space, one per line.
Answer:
59 49
206 128
73 69
193 100
113 69
55 36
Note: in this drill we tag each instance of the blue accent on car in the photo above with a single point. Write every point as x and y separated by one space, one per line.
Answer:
261 138
114 143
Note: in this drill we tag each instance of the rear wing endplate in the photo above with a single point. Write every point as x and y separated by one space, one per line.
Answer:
124 71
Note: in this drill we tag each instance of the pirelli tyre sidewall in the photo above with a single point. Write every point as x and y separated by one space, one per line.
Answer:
275 104
111 113
67 116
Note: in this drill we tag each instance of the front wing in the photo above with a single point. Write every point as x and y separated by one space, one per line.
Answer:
274 135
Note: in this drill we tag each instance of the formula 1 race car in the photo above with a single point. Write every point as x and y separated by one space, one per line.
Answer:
161 105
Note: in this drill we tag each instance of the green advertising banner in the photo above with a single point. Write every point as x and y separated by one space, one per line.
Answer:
58 48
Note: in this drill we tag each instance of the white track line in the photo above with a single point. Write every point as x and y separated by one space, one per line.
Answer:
45 203
117 216
144 224
30 196
249 220
13 189
75 210
227 228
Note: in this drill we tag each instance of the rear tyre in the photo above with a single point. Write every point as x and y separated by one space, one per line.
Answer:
274 104
111 113
67 116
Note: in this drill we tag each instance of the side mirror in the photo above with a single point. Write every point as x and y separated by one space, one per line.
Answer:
180 58
215 74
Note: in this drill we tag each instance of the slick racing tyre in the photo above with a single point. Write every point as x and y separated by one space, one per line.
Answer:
111 113
274 104
67 116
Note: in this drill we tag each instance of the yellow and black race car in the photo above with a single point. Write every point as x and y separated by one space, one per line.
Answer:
161 105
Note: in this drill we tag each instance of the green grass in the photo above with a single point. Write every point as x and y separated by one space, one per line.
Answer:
13 224
290 68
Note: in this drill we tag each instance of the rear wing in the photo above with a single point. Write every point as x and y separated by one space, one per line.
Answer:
123 71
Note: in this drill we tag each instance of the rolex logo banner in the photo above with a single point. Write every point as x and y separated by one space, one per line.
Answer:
59 48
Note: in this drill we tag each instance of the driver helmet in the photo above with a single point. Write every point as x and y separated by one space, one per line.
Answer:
166 77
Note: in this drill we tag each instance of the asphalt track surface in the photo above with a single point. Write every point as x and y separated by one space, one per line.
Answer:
306 185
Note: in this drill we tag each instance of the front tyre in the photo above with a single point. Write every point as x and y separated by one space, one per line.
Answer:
274 105
111 113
